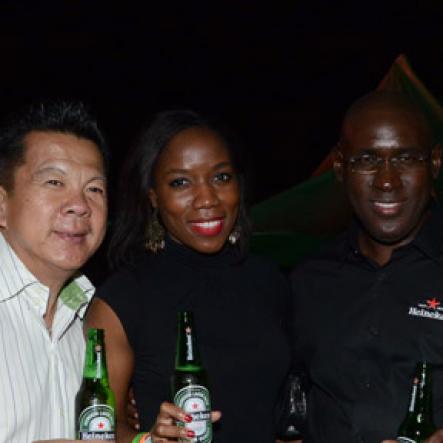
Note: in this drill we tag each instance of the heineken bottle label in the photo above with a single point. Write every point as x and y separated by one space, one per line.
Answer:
194 400
406 440
97 423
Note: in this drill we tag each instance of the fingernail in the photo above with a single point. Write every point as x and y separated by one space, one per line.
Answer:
136 414
132 401
188 418
190 433
137 426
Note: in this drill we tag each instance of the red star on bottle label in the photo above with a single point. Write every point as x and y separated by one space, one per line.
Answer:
433 303
101 425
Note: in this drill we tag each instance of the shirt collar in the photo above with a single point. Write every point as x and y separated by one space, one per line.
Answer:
15 278
77 294
429 239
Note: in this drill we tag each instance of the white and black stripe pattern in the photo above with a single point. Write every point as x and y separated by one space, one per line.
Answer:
40 373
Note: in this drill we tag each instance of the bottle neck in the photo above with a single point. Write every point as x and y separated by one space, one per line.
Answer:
421 395
95 359
187 357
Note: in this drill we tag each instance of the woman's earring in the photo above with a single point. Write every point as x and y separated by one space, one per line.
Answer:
234 236
155 234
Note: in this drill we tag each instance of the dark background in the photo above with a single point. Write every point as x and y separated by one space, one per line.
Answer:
279 74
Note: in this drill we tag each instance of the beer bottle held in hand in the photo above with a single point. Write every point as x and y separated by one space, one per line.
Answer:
95 401
418 424
189 382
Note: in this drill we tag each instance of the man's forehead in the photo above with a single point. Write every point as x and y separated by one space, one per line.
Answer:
46 146
386 128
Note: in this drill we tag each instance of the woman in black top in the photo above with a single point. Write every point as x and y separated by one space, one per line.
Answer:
180 241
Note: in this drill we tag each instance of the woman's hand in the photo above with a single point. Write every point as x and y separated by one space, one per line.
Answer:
132 411
165 428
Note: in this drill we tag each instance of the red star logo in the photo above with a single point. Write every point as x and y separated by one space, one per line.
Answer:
101 425
188 330
194 405
433 303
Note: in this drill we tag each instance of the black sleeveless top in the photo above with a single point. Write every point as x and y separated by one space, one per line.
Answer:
238 306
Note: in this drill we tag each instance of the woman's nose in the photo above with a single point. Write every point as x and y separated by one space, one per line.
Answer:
206 196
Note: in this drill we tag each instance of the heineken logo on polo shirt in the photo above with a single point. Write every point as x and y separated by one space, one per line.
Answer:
431 308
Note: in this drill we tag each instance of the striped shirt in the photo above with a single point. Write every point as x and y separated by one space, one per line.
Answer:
40 373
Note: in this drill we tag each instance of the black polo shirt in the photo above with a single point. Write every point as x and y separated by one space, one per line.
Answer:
359 330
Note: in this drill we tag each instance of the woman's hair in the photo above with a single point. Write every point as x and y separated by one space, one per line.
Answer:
134 210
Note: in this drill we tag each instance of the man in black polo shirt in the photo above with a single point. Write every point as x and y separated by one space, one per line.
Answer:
371 305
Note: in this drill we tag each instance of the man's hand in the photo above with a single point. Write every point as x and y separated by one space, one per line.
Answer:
436 437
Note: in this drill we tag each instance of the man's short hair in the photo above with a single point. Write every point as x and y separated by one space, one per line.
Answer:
393 100
67 117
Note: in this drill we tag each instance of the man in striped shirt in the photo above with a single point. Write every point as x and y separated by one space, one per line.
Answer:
53 209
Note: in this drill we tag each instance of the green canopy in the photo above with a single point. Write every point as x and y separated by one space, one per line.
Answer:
294 223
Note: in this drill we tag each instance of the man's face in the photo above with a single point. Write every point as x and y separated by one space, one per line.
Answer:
55 216
391 201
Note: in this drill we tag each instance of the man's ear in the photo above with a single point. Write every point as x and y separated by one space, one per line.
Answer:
338 166
152 195
3 206
436 161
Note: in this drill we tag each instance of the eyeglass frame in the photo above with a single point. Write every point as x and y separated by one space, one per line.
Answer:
393 161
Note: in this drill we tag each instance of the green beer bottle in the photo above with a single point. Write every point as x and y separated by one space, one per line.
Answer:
95 401
418 424
189 382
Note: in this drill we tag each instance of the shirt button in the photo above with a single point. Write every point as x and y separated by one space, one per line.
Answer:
367 385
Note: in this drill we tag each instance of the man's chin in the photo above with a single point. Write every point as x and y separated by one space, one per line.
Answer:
71 264
391 236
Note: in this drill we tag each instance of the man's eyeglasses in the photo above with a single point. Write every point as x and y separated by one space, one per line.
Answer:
370 163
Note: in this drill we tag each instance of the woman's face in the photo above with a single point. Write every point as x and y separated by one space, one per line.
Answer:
196 190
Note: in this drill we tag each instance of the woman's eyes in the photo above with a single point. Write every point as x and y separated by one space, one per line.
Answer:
223 177
220 177
178 182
